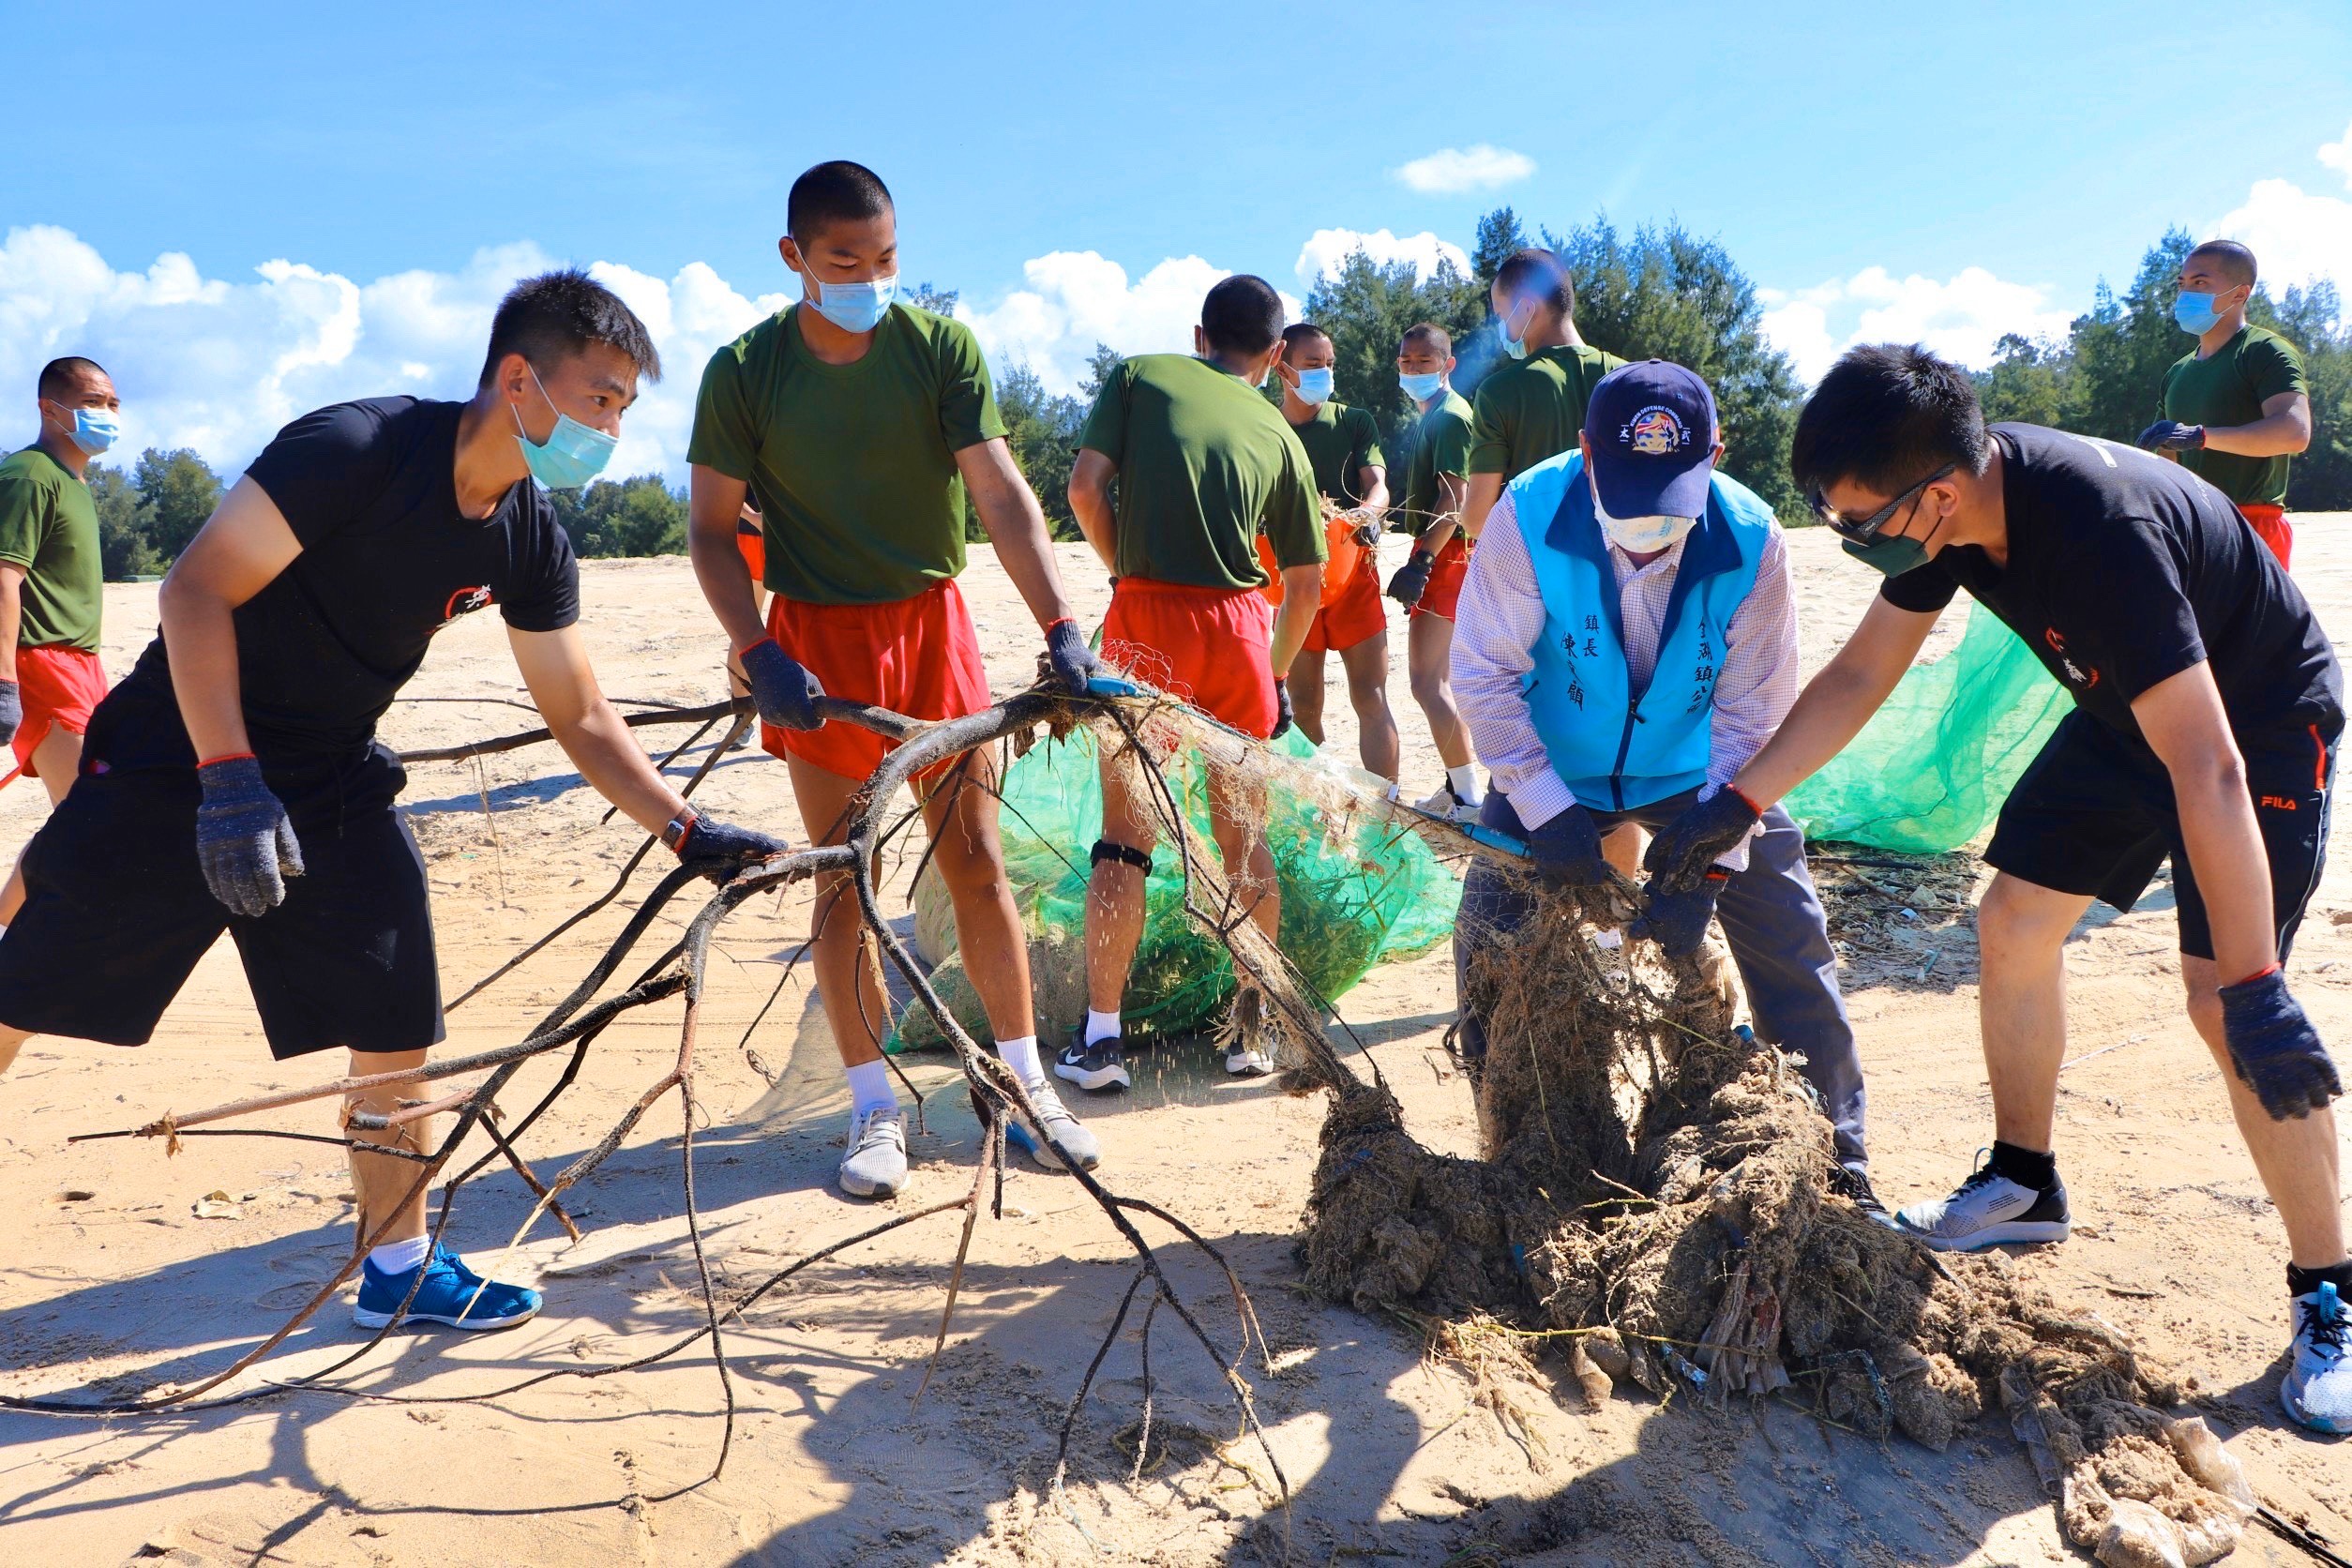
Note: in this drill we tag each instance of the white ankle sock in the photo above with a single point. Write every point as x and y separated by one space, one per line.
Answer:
869 1088
1021 1056
1100 1026
398 1258
1465 782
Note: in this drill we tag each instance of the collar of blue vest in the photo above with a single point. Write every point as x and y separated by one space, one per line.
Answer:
1708 549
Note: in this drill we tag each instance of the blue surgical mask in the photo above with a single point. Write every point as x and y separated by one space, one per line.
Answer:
1515 347
96 430
572 455
1314 385
1422 388
2195 312
852 307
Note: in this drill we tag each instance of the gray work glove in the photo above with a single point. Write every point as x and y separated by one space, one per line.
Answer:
243 839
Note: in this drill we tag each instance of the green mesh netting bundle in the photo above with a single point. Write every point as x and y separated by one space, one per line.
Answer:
1928 772
1347 902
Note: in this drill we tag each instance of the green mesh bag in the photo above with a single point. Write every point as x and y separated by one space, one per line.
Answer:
1931 768
1345 905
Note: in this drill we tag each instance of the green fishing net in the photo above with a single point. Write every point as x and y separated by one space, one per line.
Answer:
1351 897
1929 771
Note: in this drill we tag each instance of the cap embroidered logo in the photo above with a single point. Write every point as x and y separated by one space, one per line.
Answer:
1656 432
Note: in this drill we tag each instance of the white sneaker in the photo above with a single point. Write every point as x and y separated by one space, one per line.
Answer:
2317 1390
1988 1210
1054 1121
1245 1053
1446 803
876 1164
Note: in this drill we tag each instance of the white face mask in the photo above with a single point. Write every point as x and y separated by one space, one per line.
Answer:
1639 535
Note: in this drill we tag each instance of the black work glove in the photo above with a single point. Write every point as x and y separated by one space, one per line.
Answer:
1283 718
1567 851
1687 848
722 845
785 693
2275 1049
1677 922
11 710
2171 436
1367 531
1413 578
1073 662
243 839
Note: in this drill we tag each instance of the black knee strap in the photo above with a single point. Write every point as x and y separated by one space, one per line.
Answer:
1124 853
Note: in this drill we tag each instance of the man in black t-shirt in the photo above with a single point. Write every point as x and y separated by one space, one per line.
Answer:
233 780
2208 706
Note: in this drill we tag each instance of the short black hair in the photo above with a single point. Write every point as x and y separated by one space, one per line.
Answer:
552 317
1243 314
2236 262
58 375
1299 332
1537 274
1886 416
836 192
1429 335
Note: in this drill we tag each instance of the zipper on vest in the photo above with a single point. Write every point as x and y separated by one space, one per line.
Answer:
1625 745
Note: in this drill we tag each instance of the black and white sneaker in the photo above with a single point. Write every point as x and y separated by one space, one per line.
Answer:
1852 1182
1098 1068
1988 1210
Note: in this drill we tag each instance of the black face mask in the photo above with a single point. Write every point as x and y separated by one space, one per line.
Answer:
1894 556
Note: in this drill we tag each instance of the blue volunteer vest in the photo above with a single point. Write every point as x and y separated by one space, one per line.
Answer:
1614 752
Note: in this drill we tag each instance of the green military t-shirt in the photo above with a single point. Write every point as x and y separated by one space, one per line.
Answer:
2229 389
1204 462
853 465
1341 443
49 526
1442 444
1532 409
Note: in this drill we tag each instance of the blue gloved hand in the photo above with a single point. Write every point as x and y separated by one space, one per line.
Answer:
11 710
1566 851
2171 436
723 846
1071 661
243 839
1284 717
785 693
1413 578
1687 848
2274 1048
1677 922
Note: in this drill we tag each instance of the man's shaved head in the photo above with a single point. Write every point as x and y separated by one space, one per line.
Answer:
1426 338
62 378
2227 259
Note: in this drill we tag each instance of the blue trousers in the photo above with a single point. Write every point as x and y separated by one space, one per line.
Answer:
1771 917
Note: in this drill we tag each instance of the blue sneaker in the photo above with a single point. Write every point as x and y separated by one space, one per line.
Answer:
2317 1390
447 1296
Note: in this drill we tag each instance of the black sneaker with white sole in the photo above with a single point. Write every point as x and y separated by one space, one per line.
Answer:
1099 1068
1989 1210
1852 1182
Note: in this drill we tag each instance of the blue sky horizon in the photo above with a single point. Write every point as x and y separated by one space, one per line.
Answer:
245 217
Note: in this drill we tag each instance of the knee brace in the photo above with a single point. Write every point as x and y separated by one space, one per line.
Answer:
1124 853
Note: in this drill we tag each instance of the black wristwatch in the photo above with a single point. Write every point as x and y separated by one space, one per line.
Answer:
674 831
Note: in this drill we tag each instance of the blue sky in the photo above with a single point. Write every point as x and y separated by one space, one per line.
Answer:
2039 145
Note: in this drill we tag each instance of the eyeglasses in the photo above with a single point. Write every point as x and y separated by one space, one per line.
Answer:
1862 530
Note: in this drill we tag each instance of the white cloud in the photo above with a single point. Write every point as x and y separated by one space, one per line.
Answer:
1327 248
2296 237
1961 318
2338 155
219 366
1451 170
1077 298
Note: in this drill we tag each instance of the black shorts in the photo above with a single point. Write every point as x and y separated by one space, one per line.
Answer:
117 913
2094 815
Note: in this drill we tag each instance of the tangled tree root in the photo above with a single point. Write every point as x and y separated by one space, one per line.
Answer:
1664 1183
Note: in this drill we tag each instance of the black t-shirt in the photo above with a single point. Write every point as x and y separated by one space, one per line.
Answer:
387 560
2124 570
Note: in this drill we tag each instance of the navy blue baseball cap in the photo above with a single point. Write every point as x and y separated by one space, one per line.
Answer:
1651 429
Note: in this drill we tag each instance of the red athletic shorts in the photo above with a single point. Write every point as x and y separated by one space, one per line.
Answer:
751 541
1445 581
917 656
1206 645
2270 522
58 686
1354 616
